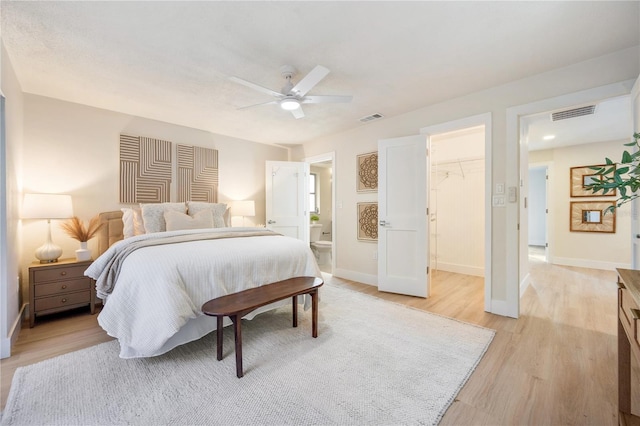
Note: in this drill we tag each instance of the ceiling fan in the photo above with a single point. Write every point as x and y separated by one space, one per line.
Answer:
291 97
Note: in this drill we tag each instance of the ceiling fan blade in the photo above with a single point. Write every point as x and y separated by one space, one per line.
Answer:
256 87
254 105
310 80
298 113
326 99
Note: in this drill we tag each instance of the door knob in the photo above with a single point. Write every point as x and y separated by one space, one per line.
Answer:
271 221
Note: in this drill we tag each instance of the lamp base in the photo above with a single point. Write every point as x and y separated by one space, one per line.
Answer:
48 253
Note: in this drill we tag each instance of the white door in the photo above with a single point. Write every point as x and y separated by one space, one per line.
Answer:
287 198
635 206
402 215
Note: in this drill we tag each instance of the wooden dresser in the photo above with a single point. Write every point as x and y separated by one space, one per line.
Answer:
59 286
628 340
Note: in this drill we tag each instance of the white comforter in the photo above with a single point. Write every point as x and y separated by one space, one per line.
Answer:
155 305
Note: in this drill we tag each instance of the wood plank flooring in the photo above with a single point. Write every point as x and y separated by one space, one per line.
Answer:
555 365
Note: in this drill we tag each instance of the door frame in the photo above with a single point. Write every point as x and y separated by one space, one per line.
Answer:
463 123
330 156
516 176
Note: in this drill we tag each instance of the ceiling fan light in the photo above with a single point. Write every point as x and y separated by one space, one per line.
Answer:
289 104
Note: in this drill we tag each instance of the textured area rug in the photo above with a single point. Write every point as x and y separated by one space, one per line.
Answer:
374 362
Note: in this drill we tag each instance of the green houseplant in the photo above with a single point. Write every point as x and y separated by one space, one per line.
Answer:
314 218
623 176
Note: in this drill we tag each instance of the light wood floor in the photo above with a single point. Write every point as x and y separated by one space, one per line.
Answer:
555 365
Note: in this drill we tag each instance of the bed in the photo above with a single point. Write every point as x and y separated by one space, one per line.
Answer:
154 284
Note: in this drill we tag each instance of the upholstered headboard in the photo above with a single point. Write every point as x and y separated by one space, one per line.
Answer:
111 231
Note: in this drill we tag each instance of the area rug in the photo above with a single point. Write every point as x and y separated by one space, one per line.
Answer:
374 362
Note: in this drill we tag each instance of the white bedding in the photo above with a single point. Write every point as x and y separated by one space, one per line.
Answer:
155 304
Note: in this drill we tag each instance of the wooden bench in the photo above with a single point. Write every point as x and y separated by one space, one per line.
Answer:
237 305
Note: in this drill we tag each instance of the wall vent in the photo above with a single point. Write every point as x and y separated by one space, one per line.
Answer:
371 117
574 112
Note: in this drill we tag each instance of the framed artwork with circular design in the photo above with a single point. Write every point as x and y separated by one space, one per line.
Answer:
367 168
368 221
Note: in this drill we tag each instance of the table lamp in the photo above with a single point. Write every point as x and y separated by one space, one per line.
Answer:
243 208
47 206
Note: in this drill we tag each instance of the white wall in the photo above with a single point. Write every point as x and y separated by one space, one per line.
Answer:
354 258
537 206
74 149
586 249
9 217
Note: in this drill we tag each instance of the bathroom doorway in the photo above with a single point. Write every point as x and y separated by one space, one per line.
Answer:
321 207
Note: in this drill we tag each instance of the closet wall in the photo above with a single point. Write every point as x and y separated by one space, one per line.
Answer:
456 204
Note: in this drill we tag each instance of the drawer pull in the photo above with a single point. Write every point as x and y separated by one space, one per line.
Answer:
64 300
635 313
621 286
63 273
64 286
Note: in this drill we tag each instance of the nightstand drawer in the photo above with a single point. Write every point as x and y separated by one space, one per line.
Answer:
63 300
63 272
62 287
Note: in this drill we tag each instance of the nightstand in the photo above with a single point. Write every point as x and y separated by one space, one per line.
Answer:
59 286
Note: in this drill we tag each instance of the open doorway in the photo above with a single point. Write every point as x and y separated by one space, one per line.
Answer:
456 202
321 208
560 140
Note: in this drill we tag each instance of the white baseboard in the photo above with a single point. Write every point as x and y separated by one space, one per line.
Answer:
589 263
7 342
461 269
356 276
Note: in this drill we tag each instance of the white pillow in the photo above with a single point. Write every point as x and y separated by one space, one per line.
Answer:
153 215
217 209
176 221
132 221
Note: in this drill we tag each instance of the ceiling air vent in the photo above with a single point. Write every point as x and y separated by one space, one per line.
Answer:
571 113
371 117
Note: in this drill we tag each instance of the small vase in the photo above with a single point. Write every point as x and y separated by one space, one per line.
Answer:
83 253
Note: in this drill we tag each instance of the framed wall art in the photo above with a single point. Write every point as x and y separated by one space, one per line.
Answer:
583 176
590 216
367 172
368 221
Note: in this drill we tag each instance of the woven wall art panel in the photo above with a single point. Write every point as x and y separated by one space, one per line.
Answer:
145 170
368 221
367 165
197 174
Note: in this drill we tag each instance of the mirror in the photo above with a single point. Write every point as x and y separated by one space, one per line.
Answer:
591 179
591 216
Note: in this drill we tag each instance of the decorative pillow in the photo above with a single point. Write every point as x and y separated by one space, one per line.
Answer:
217 209
176 220
153 215
132 221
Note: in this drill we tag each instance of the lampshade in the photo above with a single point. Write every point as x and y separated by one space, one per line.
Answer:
243 208
47 206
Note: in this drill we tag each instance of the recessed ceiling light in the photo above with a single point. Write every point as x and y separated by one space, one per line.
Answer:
549 137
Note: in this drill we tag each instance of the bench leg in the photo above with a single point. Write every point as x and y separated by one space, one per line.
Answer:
237 327
219 336
294 307
314 313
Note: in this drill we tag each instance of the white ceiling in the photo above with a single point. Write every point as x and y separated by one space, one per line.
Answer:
611 121
171 61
